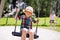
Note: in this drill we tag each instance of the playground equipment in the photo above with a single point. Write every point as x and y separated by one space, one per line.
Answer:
2 6
14 33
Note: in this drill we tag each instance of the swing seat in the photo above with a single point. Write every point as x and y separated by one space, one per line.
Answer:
14 33
27 35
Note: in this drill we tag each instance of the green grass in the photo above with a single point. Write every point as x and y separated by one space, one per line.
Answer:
11 21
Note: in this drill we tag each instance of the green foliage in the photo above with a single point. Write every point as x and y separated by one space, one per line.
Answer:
6 5
43 5
0 1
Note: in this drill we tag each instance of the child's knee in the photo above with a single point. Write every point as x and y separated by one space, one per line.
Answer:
24 30
31 32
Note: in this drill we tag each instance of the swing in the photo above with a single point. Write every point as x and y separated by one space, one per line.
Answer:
14 33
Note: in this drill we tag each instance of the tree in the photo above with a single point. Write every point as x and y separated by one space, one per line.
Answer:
2 6
0 1
44 5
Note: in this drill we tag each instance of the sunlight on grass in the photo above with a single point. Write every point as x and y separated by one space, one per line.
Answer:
3 21
42 21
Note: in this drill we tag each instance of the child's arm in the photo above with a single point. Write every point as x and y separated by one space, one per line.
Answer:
35 21
17 11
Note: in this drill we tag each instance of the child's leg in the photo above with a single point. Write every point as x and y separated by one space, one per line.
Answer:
24 31
31 34
50 25
54 25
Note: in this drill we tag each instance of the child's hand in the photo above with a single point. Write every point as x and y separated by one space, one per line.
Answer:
16 18
37 21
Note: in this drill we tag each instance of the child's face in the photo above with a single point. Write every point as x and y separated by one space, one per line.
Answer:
28 14
52 13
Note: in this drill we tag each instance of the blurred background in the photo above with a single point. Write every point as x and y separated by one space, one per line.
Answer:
42 9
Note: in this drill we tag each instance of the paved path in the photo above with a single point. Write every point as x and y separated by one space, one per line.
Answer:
44 34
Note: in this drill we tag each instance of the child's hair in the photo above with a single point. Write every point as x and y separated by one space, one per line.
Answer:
29 8
52 12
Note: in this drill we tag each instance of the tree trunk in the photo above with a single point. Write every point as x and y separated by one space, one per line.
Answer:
2 6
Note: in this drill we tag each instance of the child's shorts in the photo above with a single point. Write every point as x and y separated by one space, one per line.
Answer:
51 21
28 30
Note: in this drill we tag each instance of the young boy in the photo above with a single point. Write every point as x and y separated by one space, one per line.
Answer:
27 19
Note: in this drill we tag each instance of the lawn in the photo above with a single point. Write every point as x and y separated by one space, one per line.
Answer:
42 21
11 22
